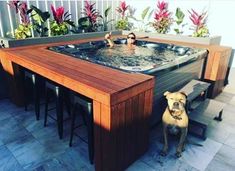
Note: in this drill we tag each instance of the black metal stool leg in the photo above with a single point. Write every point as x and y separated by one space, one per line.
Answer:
46 106
36 96
73 117
67 102
25 97
59 111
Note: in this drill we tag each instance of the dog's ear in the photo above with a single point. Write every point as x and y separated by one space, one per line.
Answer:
166 93
184 94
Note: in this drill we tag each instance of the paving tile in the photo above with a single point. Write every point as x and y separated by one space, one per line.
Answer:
217 164
5 115
8 161
29 152
81 147
199 157
219 131
170 162
230 141
139 166
224 160
6 109
11 130
1 143
156 133
229 114
28 120
74 159
225 97
48 137
51 165
232 101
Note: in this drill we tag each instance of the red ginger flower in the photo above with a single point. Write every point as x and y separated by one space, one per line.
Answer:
162 5
58 14
23 13
22 8
162 11
90 11
198 20
122 9
14 4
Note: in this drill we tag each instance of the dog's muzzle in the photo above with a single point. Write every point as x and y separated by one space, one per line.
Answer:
176 105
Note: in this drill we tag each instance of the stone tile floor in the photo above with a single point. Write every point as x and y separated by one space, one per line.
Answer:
26 145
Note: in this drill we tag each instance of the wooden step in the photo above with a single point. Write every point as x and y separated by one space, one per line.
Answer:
203 115
194 89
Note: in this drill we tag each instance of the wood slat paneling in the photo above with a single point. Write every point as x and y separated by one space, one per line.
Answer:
97 134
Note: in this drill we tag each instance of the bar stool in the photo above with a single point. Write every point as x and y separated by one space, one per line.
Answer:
35 79
86 105
61 96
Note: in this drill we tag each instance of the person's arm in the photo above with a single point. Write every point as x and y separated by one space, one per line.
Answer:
108 38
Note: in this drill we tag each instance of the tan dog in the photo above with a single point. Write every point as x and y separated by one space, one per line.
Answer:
175 120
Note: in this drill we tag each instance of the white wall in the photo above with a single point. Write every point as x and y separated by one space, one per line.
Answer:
221 15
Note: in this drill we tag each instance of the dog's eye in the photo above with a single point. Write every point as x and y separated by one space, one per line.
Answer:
171 98
181 100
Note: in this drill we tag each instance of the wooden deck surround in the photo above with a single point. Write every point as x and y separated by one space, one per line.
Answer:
122 102
217 64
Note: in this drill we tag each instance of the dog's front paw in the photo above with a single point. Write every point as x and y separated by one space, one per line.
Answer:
178 154
163 153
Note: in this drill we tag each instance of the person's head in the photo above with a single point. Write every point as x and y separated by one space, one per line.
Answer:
131 38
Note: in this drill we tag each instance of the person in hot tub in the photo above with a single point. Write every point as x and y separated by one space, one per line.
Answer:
131 39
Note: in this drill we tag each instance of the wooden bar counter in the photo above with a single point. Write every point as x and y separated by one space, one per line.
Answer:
122 102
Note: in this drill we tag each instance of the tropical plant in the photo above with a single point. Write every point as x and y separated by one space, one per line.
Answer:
162 18
122 9
143 22
199 23
122 24
89 22
84 25
24 28
105 20
60 24
179 21
39 21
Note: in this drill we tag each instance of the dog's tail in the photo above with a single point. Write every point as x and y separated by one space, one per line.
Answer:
193 143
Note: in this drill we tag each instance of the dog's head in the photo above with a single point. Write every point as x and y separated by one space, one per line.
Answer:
176 101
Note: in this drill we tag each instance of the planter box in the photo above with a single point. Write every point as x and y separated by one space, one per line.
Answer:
213 40
8 42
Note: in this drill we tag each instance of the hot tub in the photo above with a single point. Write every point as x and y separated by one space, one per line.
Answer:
172 65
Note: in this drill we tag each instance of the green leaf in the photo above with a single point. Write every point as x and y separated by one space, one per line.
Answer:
144 13
71 23
179 21
44 15
106 12
84 23
150 14
179 14
177 31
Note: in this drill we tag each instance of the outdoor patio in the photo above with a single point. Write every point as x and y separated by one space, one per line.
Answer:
110 65
25 144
